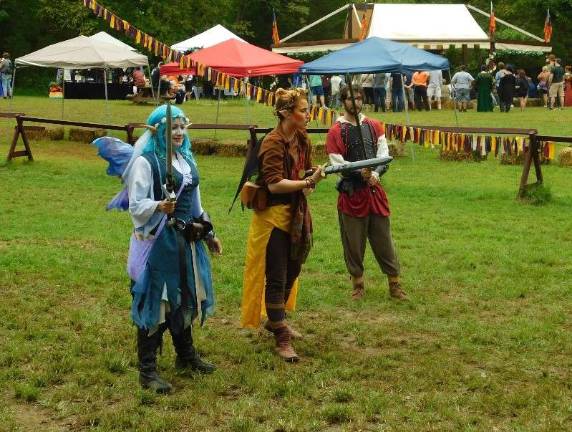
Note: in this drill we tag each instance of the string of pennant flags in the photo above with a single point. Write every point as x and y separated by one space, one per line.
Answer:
219 79
466 143
429 138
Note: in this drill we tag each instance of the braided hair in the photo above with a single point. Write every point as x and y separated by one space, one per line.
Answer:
288 99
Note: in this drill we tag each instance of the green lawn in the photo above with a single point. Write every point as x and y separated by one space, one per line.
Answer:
483 345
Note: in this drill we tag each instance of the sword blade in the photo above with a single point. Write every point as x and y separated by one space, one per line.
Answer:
169 148
353 166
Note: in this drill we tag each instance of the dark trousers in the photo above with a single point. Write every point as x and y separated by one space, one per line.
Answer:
281 272
379 94
397 100
420 97
368 95
505 103
355 231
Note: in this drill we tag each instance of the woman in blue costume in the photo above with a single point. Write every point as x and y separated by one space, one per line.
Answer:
168 262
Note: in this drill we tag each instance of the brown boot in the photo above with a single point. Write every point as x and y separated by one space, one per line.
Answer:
359 288
395 291
283 347
293 333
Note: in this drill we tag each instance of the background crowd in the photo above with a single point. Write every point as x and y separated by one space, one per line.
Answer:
495 85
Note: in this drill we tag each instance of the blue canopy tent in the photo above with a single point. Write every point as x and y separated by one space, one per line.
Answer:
376 55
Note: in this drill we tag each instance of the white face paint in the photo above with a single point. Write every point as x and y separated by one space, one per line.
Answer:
178 132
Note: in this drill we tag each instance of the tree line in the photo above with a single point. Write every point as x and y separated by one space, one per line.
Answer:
29 25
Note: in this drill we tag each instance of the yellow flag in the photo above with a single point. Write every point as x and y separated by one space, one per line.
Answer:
551 150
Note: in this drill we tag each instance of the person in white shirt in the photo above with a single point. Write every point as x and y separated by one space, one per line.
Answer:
335 85
434 87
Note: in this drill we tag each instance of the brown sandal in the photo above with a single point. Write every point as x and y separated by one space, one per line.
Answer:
359 288
396 292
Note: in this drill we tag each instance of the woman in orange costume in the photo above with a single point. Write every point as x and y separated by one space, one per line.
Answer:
280 235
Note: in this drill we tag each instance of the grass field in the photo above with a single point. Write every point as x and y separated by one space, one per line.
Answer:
483 345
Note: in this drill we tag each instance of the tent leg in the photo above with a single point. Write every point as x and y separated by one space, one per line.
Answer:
217 112
106 95
63 93
405 103
407 120
454 102
12 90
152 90
158 90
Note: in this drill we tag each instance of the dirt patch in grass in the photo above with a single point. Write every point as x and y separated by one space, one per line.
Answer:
32 417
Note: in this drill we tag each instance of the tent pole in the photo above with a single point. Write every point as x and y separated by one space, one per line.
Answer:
158 89
454 101
217 112
405 102
407 120
152 90
12 92
106 96
344 7
63 93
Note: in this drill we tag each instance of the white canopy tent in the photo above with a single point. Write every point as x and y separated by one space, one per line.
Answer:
106 37
82 52
206 39
436 25
425 26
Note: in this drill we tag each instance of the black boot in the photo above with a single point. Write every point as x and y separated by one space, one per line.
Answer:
187 356
147 347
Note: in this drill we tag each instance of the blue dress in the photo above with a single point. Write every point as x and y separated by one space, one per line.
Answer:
158 288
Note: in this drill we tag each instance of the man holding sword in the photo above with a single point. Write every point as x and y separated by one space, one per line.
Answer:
363 208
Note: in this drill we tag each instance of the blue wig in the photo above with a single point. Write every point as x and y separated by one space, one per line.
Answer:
158 119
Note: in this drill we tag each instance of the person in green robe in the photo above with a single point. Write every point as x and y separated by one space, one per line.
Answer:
484 85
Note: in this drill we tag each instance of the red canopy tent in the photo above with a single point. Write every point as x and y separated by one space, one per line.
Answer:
241 59
175 69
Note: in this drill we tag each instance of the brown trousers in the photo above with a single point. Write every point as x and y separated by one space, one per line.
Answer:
355 231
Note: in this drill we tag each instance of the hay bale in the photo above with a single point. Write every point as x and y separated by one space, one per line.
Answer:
396 149
86 135
203 146
36 133
319 151
455 156
230 149
565 157
512 159
56 134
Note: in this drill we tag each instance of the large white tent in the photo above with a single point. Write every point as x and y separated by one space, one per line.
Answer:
436 25
83 52
208 38
106 37
425 26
